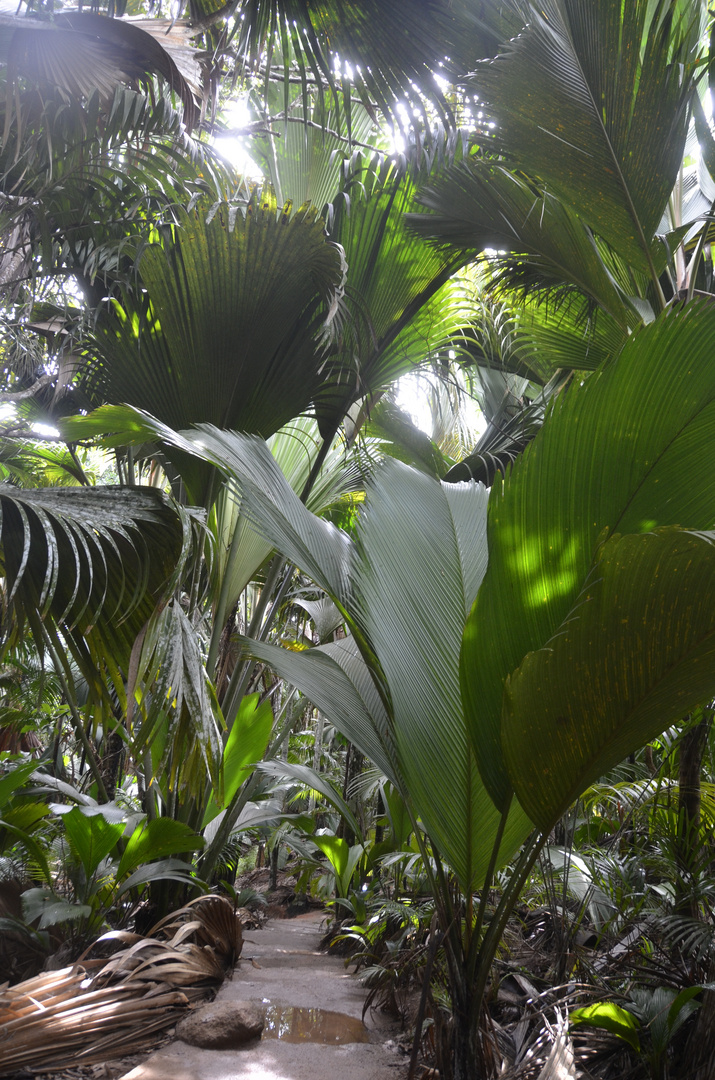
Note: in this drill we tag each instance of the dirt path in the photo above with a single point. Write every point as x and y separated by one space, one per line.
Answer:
291 974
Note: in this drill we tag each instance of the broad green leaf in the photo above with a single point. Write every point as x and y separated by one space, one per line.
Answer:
44 905
610 1017
26 815
635 653
305 163
163 870
337 680
400 823
91 838
342 858
315 546
17 775
240 550
152 840
316 782
83 54
336 851
246 743
37 850
324 614
611 457
682 1007
421 548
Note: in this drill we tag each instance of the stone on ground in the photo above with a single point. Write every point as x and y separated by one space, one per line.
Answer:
222 1025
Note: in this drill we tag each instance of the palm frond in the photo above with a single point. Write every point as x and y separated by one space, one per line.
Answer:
89 1013
82 53
659 397
229 320
593 100
94 561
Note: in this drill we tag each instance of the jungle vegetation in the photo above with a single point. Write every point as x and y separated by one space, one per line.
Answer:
463 682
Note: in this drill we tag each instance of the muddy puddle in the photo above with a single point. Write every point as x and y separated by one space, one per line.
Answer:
291 1023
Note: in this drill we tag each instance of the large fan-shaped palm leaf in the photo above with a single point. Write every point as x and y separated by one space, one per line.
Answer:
82 53
305 155
82 185
94 561
404 306
591 103
226 327
611 458
389 51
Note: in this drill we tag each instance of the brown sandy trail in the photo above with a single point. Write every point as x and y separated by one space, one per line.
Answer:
291 972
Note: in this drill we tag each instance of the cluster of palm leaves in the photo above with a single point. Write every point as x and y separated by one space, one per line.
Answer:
235 343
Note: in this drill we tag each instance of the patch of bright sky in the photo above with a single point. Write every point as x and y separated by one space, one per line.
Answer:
8 411
233 147
412 395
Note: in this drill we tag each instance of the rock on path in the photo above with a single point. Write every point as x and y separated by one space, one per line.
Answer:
291 972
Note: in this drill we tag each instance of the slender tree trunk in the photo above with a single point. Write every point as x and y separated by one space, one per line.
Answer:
317 751
111 763
699 1058
692 748
354 761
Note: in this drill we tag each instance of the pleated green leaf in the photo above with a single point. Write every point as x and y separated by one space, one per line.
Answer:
93 560
315 546
476 205
155 840
421 549
634 654
305 161
226 328
421 558
240 550
246 744
276 512
631 449
402 303
337 680
592 98
389 49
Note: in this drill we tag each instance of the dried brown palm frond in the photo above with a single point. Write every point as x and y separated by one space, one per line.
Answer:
87 1013
218 925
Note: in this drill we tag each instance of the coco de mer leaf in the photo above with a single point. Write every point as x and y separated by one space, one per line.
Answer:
634 654
612 455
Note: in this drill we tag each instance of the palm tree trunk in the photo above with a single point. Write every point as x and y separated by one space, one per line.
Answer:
692 748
